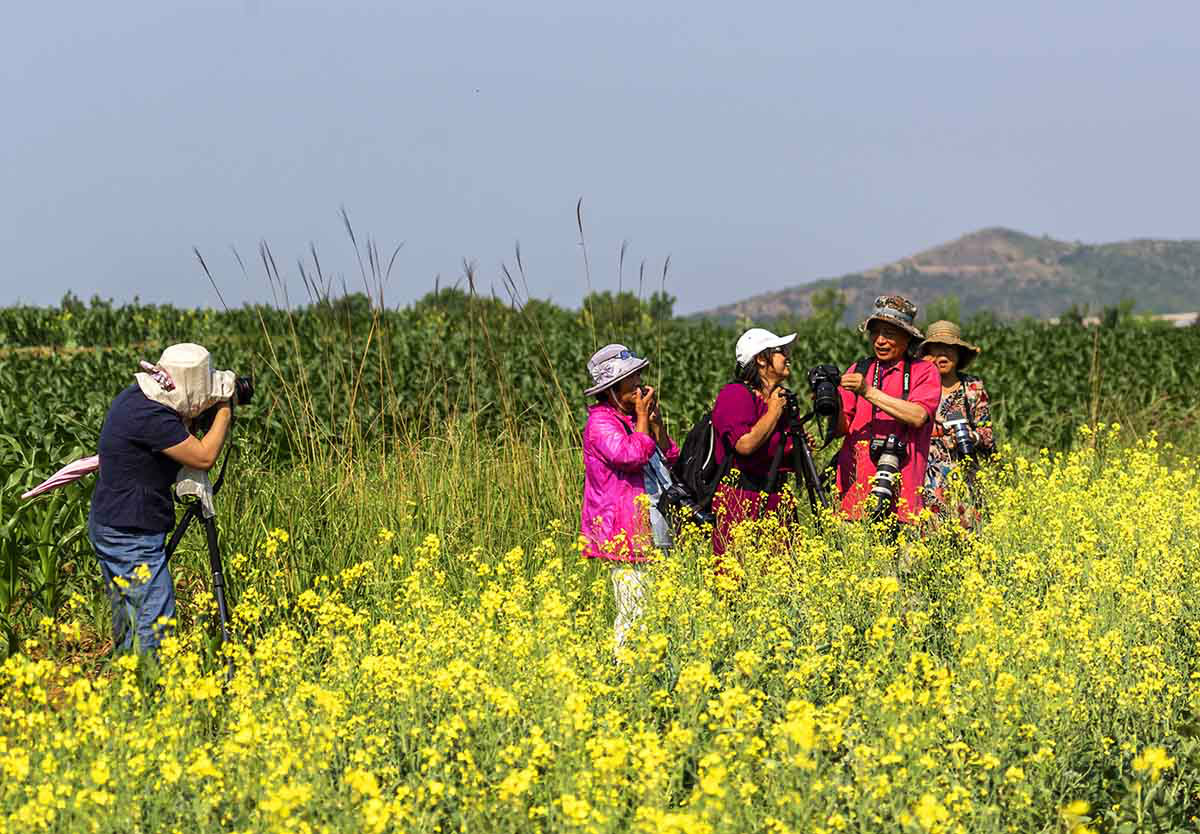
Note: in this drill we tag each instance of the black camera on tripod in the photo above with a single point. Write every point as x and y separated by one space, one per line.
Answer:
791 405
889 455
824 380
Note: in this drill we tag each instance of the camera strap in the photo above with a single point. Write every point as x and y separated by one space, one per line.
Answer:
657 479
861 367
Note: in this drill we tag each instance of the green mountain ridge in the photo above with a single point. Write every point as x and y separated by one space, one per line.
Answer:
1010 274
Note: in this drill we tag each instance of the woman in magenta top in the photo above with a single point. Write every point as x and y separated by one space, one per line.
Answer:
875 405
626 454
749 423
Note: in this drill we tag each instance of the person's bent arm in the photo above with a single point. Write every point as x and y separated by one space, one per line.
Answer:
749 442
909 413
202 453
609 439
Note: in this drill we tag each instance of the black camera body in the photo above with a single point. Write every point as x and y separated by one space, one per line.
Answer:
243 393
677 504
243 390
824 380
889 455
890 446
791 405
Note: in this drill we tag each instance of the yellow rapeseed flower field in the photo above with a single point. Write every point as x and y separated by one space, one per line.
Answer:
1041 675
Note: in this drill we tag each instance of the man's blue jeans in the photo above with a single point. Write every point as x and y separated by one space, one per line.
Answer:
142 599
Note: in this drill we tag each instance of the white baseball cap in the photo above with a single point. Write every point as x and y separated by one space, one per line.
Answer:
755 340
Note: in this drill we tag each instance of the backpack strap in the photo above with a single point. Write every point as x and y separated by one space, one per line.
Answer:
629 433
722 471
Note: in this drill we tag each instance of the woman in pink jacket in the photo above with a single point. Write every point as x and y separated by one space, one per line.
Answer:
626 452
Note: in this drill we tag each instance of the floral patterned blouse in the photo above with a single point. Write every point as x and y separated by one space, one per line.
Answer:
971 398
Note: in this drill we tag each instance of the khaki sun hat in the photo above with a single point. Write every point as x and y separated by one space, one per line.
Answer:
948 333
184 380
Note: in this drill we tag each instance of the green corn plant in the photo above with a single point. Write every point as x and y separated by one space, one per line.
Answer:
54 528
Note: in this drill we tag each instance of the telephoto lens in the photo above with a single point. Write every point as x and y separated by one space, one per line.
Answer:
960 430
889 457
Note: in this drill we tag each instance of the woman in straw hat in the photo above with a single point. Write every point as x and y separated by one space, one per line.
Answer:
626 452
963 397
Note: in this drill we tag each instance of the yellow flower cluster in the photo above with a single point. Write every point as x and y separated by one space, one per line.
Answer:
962 683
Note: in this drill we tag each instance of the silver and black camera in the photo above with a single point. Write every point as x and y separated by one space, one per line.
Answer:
960 429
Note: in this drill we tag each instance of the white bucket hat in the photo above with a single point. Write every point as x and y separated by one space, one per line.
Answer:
184 381
610 365
755 340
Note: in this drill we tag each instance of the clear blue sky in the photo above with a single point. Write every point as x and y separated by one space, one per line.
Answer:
760 145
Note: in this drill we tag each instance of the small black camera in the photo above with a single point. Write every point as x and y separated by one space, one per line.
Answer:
678 504
791 405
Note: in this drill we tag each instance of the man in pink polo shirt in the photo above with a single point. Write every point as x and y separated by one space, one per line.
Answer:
889 394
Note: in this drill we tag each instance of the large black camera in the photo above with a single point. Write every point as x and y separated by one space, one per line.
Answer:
823 380
889 455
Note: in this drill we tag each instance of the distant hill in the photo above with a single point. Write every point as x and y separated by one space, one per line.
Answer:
1011 274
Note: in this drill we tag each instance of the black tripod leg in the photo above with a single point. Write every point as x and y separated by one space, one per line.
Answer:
180 529
218 580
806 468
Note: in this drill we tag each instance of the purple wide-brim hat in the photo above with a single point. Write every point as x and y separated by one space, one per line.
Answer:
610 365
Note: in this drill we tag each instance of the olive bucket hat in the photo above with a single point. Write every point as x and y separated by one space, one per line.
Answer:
897 310
948 333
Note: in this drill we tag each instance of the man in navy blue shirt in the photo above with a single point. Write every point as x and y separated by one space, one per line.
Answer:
142 445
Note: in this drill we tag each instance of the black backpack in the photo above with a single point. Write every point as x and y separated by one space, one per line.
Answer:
697 469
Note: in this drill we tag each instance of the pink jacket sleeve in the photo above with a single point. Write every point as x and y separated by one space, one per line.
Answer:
607 438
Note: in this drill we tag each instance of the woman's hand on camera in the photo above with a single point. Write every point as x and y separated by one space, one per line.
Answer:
776 401
855 383
656 413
